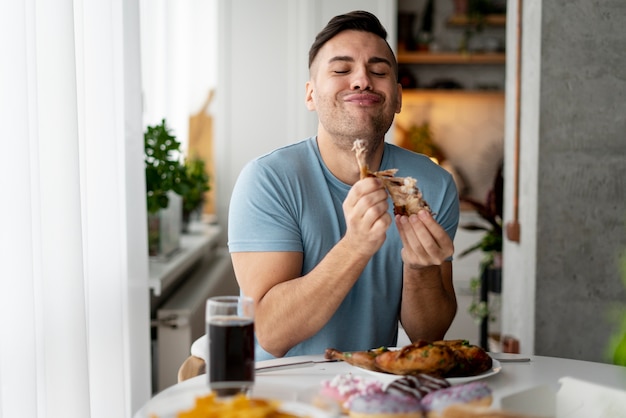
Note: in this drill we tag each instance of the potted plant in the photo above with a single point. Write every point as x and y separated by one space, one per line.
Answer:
194 185
490 272
421 140
617 344
164 175
476 10
425 35
163 168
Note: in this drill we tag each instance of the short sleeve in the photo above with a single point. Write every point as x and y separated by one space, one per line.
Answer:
261 216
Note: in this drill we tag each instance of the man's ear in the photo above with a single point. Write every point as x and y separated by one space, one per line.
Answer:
310 103
399 104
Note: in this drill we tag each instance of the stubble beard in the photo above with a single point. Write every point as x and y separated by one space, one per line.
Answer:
344 127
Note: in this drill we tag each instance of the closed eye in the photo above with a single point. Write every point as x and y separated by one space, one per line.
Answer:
378 67
376 73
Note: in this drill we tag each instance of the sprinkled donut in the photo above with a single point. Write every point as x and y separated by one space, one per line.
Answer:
343 387
385 405
474 393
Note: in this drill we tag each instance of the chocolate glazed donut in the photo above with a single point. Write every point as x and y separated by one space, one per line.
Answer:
417 386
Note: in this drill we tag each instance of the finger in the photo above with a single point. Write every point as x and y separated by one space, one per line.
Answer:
424 243
363 188
413 250
439 234
435 229
367 223
423 238
405 230
368 185
366 208
423 231
369 193
434 238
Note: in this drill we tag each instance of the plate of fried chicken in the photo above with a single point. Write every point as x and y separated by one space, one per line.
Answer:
456 360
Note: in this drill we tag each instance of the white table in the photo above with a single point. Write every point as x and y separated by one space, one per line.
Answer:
295 383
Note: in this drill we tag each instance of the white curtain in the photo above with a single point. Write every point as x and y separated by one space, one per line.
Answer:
74 309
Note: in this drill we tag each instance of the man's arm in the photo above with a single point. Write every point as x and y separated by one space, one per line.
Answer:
428 298
428 302
290 307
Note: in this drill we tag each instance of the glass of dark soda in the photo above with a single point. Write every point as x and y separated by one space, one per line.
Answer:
230 331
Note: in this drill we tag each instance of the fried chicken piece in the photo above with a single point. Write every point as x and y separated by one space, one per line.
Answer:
471 360
359 149
444 358
362 359
407 198
419 357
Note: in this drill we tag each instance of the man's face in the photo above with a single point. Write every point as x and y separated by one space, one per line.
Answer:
353 87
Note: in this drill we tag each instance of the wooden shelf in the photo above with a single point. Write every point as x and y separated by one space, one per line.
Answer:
489 20
450 58
408 94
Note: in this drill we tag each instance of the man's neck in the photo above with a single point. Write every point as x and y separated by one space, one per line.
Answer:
341 160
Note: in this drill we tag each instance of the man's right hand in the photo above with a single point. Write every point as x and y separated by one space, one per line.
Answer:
367 217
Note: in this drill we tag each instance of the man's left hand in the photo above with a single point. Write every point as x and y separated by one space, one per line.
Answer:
425 242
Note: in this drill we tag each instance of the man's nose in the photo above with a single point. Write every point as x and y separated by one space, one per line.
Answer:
361 80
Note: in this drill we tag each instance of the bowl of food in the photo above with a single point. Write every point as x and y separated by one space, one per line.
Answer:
208 405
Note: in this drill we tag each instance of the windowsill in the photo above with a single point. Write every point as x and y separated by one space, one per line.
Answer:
200 241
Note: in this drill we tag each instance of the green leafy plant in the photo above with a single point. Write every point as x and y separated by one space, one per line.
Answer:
617 344
491 212
425 36
490 244
476 12
481 309
421 140
194 184
164 172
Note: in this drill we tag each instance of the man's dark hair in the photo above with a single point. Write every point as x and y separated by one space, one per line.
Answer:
357 20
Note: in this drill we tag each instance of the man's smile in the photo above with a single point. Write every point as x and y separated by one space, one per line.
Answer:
362 98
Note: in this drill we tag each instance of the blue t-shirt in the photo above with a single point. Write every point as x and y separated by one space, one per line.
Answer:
288 200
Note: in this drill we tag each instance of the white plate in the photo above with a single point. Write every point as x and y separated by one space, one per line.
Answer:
170 406
304 410
495 369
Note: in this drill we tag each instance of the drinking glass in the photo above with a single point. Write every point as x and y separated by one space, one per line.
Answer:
230 331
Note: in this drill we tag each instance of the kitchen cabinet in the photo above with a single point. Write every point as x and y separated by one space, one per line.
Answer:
435 61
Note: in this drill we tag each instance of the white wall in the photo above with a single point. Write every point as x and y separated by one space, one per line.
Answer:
179 60
519 268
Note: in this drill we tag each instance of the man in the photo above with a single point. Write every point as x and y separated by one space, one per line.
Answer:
317 248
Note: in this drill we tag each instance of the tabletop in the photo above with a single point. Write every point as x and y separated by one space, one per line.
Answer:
296 382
